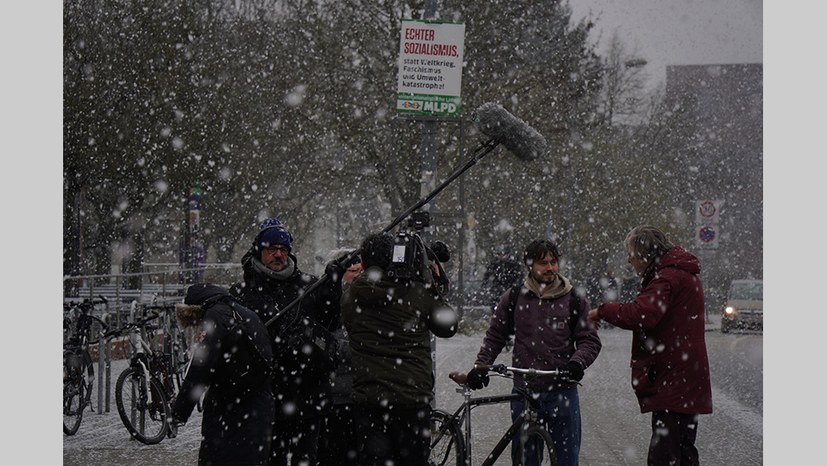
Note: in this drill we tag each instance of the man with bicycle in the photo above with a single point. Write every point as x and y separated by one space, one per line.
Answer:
550 331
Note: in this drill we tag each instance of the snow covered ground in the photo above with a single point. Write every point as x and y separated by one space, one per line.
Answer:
614 432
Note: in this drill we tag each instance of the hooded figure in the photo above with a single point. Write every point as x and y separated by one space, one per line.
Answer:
670 365
232 364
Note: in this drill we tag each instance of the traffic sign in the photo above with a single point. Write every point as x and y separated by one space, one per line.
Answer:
707 236
708 211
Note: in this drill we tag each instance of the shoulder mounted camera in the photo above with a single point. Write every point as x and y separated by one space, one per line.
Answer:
411 259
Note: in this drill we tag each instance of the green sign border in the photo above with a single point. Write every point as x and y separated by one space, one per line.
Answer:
407 96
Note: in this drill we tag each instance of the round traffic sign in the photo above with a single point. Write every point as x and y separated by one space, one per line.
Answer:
706 234
707 209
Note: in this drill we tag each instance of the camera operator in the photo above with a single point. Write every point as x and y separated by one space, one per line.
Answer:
389 318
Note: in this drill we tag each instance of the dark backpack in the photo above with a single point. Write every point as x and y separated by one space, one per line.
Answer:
257 341
574 309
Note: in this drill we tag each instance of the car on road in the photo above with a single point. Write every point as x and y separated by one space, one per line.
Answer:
744 307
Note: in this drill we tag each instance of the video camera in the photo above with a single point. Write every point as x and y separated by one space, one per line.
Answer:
412 260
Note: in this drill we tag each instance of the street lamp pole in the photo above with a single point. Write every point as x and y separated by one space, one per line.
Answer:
429 132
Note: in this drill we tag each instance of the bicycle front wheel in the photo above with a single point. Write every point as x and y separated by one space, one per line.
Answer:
536 447
143 407
74 400
447 442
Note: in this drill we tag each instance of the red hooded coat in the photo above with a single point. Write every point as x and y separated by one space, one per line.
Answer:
670 368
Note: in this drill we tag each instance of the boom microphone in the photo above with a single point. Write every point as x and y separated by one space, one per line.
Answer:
502 128
498 124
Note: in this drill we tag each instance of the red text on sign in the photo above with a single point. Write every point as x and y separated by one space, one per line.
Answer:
419 34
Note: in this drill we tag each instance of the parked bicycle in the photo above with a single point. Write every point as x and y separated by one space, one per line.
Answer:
79 325
145 390
451 433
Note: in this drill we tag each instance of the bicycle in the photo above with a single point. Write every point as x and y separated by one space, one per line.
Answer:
78 370
145 390
451 433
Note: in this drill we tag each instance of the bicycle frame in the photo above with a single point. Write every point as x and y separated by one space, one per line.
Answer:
77 362
143 355
140 349
462 416
146 389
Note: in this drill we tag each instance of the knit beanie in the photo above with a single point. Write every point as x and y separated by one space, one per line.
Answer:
271 222
272 236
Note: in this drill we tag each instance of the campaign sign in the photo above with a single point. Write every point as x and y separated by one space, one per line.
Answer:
430 67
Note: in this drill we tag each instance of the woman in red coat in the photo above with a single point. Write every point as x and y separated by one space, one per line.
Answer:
670 368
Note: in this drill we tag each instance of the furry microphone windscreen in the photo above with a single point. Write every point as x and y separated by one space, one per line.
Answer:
520 139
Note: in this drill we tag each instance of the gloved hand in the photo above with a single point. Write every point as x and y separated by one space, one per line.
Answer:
478 378
334 270
575 370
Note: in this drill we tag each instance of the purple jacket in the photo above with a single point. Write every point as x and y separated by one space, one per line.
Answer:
670 368
542 338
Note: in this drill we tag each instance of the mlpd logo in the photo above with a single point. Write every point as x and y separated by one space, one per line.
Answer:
412 105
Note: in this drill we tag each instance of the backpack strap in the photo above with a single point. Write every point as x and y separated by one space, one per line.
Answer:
240 323
513 294
574 312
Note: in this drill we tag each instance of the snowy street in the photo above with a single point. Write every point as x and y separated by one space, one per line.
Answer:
614 432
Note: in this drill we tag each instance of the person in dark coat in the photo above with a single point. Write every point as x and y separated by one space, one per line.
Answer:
670 367
272 280
389 323
337 441
232 364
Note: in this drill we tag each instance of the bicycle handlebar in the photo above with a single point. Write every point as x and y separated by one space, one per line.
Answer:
86 305
507 371
502 369
130 325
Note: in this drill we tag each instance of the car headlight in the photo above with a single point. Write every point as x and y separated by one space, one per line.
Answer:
729 310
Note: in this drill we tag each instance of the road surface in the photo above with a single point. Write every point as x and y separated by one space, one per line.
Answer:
614 431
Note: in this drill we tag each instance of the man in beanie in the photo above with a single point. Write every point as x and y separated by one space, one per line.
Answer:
232 363
272 280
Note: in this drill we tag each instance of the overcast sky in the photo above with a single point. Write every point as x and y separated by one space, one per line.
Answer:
680 32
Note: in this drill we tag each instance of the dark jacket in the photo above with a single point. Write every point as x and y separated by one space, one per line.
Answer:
670 368
295 379
232 362
388 323
342 389
543 338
